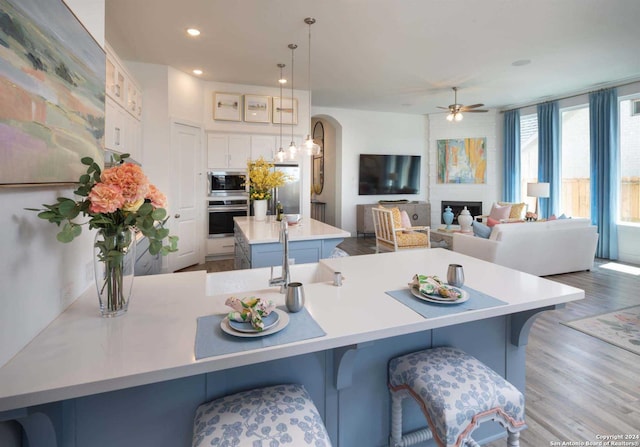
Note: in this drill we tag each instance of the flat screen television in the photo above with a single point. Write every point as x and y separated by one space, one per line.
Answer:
389 174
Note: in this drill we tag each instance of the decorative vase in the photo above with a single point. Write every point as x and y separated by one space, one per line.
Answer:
114 264
260 209
465 219
447 216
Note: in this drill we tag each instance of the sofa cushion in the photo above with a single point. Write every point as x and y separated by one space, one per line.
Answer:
518 210
492 222
480 230
499 212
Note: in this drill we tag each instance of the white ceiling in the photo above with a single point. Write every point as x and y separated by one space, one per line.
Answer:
392 55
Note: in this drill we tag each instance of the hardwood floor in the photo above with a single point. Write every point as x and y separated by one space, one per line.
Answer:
578 387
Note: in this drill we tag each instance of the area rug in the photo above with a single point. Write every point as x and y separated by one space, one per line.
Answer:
620 328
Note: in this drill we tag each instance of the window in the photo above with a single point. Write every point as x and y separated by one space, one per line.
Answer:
629 160
528 156
575 159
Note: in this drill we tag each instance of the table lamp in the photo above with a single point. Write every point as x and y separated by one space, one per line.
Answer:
537 190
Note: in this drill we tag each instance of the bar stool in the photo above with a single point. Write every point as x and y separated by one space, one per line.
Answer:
456 393
276 415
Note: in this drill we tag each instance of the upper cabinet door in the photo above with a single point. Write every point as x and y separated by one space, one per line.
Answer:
239 151
263 146
217 151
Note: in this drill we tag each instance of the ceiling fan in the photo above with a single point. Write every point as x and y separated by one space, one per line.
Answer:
455 109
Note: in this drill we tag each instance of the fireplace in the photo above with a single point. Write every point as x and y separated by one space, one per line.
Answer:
475 208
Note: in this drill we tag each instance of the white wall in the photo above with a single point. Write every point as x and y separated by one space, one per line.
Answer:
365 132
474 125
39 276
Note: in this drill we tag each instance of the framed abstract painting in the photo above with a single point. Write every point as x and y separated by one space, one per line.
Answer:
462 160
52 87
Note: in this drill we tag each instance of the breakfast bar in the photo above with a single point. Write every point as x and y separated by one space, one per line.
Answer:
136 379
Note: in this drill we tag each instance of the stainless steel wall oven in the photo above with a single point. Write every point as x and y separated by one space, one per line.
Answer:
221 212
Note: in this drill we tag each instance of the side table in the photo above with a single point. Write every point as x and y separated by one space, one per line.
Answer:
443 237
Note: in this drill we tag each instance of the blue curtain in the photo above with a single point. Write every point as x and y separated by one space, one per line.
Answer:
511 159
549 155
603 122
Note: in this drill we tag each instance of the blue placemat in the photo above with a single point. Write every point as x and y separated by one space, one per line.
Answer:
477 300
211 340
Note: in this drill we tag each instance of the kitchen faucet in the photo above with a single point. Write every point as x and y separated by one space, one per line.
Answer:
285 277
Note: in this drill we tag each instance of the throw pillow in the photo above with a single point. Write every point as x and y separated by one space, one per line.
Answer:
500 212
552 217
517 209
491 222
481 230
563 216
404 219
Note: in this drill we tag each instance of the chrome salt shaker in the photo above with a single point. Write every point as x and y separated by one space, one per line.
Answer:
455 275
337 279
294 299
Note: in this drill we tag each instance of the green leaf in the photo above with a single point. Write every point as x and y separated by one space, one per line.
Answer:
162 233
159 214
86 161
66 235
85 178
77 229
145 209
68 209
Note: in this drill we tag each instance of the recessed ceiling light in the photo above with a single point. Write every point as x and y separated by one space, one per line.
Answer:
193 32
282 81
521 62
197 72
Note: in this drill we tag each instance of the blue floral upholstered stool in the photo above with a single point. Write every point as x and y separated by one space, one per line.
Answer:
263 417
456 393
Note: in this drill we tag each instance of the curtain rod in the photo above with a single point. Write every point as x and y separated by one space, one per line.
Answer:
586 92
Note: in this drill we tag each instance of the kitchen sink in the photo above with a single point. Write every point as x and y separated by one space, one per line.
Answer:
258 279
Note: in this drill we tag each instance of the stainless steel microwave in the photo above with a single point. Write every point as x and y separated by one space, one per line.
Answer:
223 183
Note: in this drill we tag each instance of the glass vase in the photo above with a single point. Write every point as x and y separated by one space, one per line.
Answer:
114 263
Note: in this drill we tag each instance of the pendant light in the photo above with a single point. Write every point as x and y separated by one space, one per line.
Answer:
280 155
311 147
293 149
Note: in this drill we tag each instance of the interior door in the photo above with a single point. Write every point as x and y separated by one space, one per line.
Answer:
187 211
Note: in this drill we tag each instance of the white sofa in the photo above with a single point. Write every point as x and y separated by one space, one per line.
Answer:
539 248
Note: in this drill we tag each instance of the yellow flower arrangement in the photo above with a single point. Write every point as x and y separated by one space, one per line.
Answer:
263 178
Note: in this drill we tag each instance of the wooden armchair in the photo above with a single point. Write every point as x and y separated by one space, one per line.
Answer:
390 235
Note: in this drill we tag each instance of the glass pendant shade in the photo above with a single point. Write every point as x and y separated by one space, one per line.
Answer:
311 147
458 116
450 117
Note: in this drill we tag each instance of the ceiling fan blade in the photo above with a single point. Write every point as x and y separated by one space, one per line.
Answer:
444 108
473 106
474 111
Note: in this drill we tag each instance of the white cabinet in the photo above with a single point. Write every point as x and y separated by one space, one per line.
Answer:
231 151
123 109
115 78
263 146
228 151
114 124
222 247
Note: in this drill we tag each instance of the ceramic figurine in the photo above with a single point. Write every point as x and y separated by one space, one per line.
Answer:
447 216
465 219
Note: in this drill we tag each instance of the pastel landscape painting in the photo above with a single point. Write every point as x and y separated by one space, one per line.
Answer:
462 160
52 78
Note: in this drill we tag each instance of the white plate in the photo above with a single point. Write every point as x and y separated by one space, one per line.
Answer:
246 326
440 299
283 321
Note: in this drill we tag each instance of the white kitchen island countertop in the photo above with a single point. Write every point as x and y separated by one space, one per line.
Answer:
268 231
81 353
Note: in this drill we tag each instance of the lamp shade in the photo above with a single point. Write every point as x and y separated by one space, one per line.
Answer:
538 189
